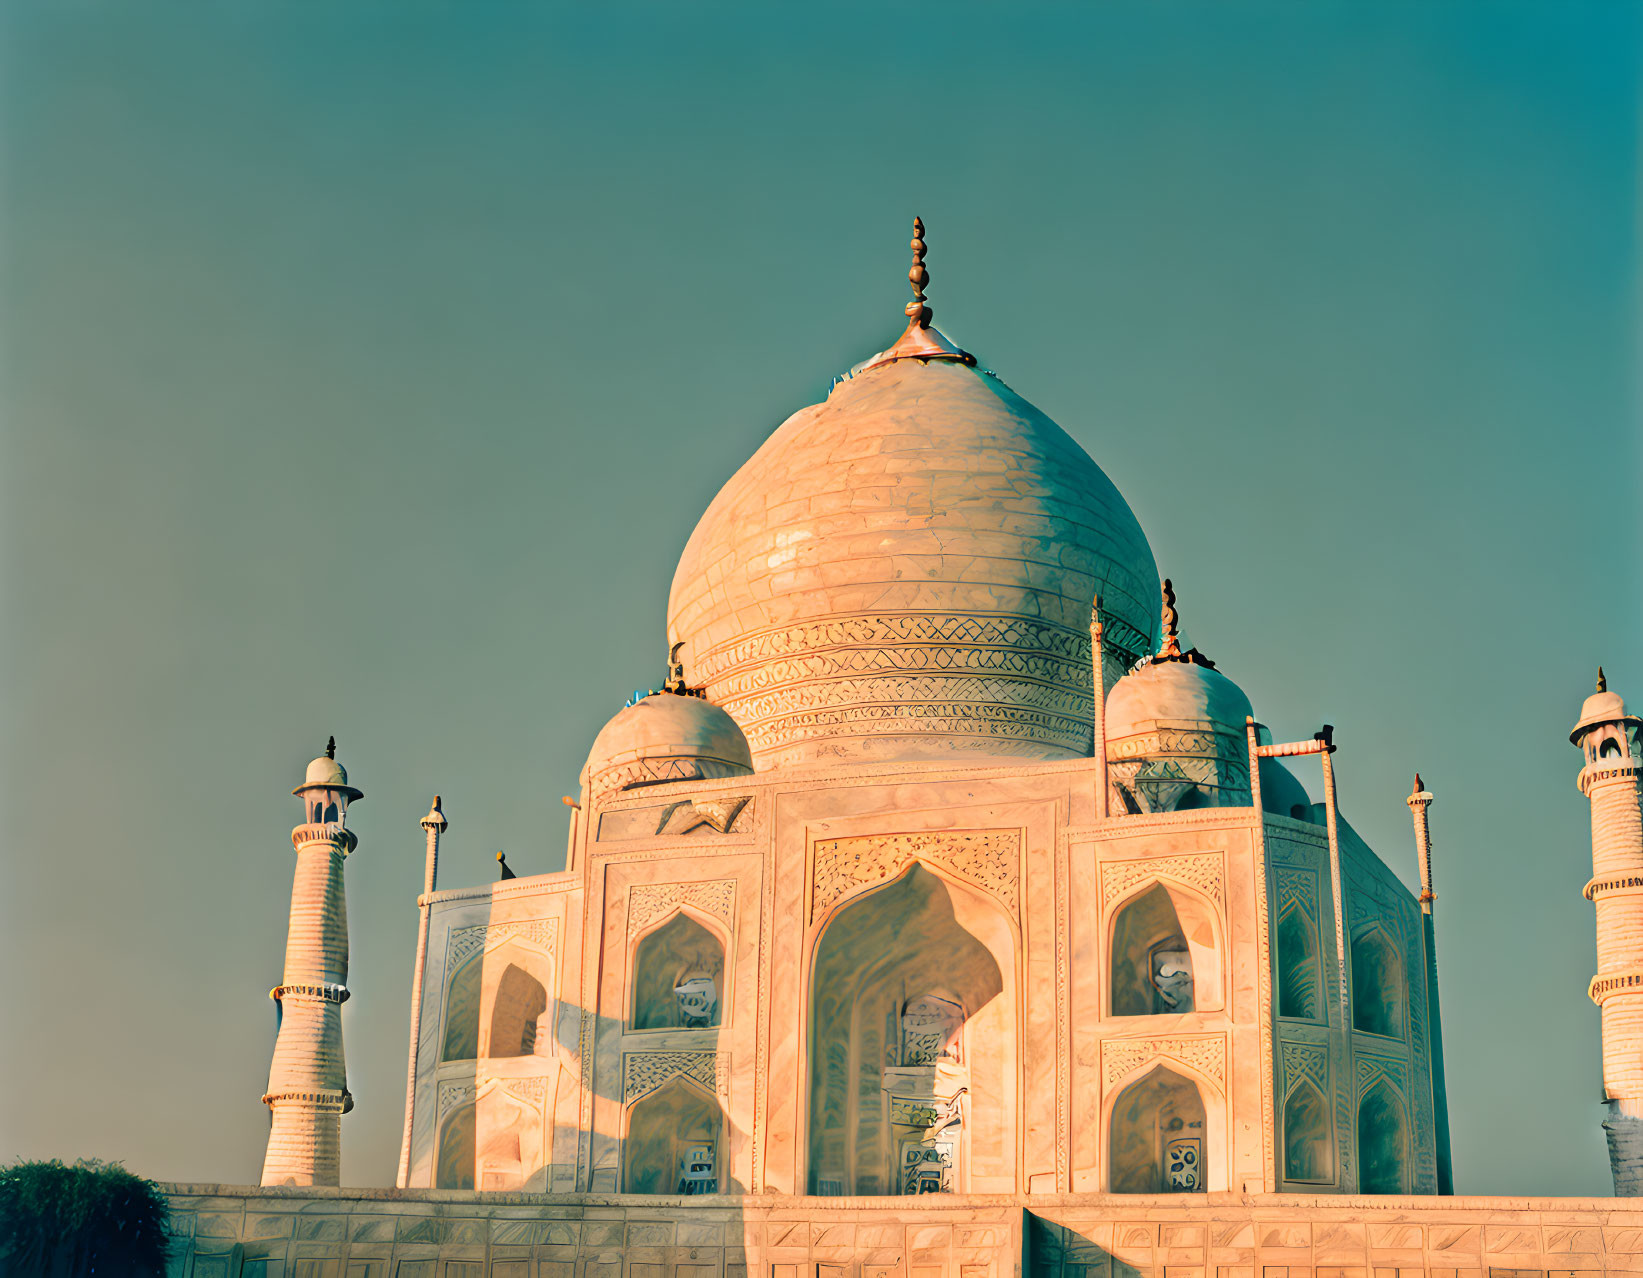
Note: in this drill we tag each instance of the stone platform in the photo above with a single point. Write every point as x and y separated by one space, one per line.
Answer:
239 1232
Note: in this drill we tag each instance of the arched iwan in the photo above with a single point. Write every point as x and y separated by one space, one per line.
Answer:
912 1042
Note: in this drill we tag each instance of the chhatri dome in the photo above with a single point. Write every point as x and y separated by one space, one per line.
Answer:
907 569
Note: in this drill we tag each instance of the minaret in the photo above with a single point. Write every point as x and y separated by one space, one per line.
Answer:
433 825
1608 738
1419 800
307 1083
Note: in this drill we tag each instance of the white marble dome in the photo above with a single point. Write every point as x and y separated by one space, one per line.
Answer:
1174 693
665 737
906 571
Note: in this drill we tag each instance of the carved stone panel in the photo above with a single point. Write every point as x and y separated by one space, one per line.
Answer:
467 941
648 902
990 859
1206 1053
644 1072
1204 871
1306 1060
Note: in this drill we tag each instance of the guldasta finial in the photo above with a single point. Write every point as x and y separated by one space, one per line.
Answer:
918 277
1602 683
331 748
1171 646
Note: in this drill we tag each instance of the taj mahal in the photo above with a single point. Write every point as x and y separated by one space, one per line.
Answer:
942 913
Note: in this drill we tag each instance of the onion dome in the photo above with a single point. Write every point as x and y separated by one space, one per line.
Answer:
325 773
1176 731
906 571
666 736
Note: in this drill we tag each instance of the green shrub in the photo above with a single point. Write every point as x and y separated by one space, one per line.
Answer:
92 1218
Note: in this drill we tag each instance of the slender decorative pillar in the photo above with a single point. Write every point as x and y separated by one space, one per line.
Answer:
1608 738
1419 801
308 1082
1099 718
433 825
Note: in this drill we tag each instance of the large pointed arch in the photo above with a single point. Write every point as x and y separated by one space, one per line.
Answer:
1380 985
925 940
1309 1144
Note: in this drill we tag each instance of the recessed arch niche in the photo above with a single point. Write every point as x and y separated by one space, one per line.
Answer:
678 976
1383 1142
1166 952
1158 1136
462 997
1378 986
456 1161
1309 1152
517 1012
912 1042
675 1141
1300 977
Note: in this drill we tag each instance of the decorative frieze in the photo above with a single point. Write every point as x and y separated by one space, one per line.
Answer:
648 902
1372 1069
1306 1060
644 1072
1205 1053
465 942
990 859
1204 871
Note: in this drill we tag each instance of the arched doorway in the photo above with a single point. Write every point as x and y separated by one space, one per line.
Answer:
913 1043
1158 1136
674 1142
1382 1141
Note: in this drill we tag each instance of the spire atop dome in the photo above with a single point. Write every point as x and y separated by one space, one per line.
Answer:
918 276
1602 683
1170 648
920 341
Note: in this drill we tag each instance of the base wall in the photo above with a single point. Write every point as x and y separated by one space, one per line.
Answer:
233 1232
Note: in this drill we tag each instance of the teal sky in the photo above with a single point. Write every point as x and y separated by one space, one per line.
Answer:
365 368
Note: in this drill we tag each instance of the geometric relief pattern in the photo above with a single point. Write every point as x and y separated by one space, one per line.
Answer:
452 1095
1206 1053
466 941
1298 887
1371 1069
1201 870
1306 1060
644 1072
648 902
990 859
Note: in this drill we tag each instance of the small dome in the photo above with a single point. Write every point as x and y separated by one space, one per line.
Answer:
1600 707
1282 792
1174 693
327 772
665 737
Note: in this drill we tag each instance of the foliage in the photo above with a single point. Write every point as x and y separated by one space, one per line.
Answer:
97 1218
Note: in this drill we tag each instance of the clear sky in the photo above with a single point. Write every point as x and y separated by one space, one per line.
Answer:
366 366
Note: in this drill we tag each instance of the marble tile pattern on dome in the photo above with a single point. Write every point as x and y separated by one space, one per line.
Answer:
935 867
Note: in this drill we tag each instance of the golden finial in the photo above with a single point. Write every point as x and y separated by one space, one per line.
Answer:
1172 642
506 871
1418 785
331 745
675 670
1602 683
918 277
